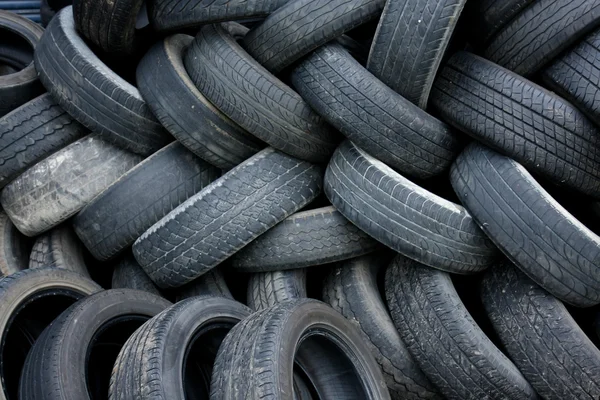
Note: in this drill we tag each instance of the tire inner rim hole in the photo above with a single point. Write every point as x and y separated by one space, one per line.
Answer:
142 20
15 51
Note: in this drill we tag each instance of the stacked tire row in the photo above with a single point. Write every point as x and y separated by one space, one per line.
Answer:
300 199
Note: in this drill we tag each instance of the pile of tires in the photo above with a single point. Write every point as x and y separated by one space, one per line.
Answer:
300 199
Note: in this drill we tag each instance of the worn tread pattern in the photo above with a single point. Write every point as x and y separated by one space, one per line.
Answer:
494 14
14 247
59 248
211 283
129 275
266 289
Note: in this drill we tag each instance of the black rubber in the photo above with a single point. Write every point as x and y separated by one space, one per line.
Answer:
227 215
185 112
494 14
541 32
59 248
19 38
351 289
256 356
14 247
372 115
198 326
73 358
404 216
520 119
49 8
528 225
301 26
129 275
211 283
444 339
255 99
540 336
57 187
140 198
30 301
266 289
31 133
93 94
305 239
409 44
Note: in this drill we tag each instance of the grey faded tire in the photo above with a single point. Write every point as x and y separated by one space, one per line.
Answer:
57 187
30 301
494 14
520 119
92 93
257 354
121 213
409 44
549 348
301 26
198 326
254 98
59 248
444 339
31 133
372 115
305 239
266 289
351 289
404 216
541 32
14 247
211 283
225 216
129 275
531 228
73 358
185 112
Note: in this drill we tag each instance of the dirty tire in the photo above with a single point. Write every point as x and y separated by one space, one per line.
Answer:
14 247
444 339
351 289
301 26
185 112
305 239
549 348
256 99
73 345
403 216
372 115
494 14
520 119
531 228
333 356
59 248
266 289
93 94
225 216
129 275
541 32
70 177
213 316
409 44
140 198
211 283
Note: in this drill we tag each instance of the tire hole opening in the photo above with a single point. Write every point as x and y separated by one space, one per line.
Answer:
15 51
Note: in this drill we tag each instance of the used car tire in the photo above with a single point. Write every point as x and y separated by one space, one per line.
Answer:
211 283
14 247
266 289
129 275
495 14
59 248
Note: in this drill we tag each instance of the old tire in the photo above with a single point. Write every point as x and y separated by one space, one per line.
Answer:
59 248
266 289
129 275
14 247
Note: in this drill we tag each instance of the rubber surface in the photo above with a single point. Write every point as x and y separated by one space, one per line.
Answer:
59 248
14 247
266 289
494 14
129 275
211 283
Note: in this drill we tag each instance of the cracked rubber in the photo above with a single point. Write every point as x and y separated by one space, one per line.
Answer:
531 228
14 247
225 216
372 115
305 239
129 275
404 216
494 14
266 289
351 289
59 248
520 119
211 283
444 339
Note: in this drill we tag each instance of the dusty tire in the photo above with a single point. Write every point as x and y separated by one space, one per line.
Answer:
59 248
14 247
129 275
266 289
211 283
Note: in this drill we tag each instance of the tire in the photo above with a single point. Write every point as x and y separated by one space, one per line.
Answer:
59 248
129 275
18 88
59 186
520 119
333 357
541 32
93 94
305 239
409 44
444 339
198 326
351 289
495 14
528 225
226 216
84 342
301 26
404 216
255 99
31 133
372 115
46 13
14 247
551 351
266 289
30 301
170 94
140 198
211 283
